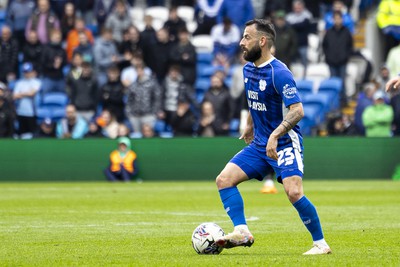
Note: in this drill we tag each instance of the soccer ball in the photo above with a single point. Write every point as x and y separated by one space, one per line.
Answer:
204 236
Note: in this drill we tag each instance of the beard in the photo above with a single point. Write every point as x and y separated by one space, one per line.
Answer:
253 54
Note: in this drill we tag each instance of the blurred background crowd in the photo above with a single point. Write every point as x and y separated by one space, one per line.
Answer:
140 69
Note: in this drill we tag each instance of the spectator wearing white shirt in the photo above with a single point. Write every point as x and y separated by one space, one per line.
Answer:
226 37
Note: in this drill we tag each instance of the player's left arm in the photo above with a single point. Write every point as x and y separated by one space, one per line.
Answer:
295 114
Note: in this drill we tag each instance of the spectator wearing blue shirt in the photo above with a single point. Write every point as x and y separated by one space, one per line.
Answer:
239 11
348 21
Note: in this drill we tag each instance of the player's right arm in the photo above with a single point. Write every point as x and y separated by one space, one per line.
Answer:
248 133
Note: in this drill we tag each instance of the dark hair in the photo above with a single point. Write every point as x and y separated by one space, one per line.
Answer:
266 27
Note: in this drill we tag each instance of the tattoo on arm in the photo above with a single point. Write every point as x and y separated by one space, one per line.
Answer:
294 115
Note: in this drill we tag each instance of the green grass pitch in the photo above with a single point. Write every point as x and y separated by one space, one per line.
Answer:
150 224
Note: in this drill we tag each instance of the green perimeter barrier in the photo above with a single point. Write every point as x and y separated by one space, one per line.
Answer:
188 158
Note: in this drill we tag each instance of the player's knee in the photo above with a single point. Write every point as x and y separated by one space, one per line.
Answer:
222 181
294 194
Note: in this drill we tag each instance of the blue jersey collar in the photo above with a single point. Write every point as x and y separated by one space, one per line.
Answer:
265 63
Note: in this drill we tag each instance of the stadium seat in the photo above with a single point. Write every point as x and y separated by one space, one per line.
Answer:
3 15
42 113
199 96
93 28
311 114
203 43
205 58
234 127
137 14
332 86
202 84
313 50
159 14
321 99
305 86
305 128
317 72
54 99
207 70
186 13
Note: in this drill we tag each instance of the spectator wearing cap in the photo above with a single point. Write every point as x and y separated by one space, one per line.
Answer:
122 162
24 92
286 39
377 119
46 129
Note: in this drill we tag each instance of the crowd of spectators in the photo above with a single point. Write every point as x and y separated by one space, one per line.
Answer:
122 80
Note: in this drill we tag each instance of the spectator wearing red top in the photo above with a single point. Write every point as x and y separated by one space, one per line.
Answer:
73 37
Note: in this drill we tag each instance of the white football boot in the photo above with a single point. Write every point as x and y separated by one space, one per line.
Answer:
235 239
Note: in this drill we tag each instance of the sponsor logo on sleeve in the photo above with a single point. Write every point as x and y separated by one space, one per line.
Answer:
289 91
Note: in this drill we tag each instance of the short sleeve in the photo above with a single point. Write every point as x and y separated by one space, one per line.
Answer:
286 87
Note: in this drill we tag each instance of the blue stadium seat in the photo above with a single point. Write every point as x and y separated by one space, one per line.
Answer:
312 114
199 96
54 99
322 99
202 84
205 58
305 127
3 15
205 71
304 86
93 28
43 112
57 113
332 86
234 127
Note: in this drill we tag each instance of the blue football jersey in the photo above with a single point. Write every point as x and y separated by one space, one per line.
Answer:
270 90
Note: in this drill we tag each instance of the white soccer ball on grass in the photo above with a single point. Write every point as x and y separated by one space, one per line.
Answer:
204 237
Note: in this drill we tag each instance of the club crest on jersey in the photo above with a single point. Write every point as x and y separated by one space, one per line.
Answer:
245 80
289 91
263 85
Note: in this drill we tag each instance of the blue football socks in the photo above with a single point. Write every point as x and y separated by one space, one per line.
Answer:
309 216
233 204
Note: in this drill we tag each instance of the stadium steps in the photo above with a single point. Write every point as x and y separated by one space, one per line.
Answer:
359 36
